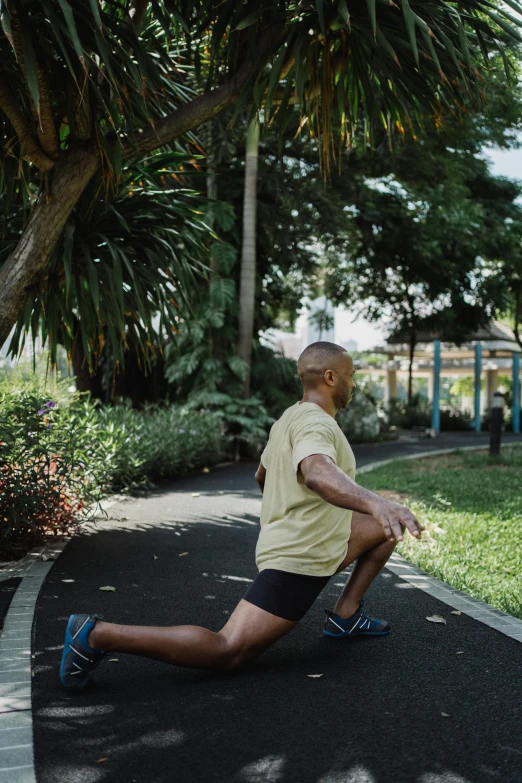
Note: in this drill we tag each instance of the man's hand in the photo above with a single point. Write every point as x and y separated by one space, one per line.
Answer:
322 475
393 517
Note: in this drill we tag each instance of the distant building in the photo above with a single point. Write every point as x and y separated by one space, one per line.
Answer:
349 345
320 321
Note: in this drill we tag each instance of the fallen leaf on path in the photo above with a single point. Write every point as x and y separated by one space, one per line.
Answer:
99 761
459 652
108 589
444 714
436 618
155 557
113 659
206 470
181 554
314 675
195 494
456 611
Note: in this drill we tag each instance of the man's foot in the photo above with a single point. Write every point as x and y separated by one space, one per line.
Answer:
359 624
79 658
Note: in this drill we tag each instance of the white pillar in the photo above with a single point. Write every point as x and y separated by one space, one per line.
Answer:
491 385
391 385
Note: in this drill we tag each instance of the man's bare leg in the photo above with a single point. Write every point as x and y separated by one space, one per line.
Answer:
248 632
370 547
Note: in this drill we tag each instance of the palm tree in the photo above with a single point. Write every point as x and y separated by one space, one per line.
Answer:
86 86
247 289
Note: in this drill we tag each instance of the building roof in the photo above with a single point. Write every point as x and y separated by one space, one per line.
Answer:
492 331
497 341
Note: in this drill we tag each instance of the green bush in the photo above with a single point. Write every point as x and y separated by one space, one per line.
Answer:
51 467
360 420
418 414
407 415
157 442
60 454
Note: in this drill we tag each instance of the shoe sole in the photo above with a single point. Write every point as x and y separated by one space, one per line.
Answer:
68 640
355 635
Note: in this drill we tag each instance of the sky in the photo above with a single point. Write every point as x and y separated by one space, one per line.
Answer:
503 163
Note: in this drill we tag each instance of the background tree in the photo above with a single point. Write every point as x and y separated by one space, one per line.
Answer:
84 88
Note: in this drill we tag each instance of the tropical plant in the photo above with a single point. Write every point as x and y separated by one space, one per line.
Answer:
60 454
86 86
122 272
49 469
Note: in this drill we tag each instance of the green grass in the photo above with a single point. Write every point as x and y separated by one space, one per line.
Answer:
471 505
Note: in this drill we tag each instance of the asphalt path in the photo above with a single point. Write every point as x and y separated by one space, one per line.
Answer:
375 715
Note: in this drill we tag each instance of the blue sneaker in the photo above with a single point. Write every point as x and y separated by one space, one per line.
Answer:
358 624
79 659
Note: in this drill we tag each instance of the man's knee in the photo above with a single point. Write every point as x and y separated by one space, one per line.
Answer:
237 652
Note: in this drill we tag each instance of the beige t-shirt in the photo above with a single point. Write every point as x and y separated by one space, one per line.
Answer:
301 532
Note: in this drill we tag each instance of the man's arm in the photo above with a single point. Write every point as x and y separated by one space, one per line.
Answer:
260 476
322 475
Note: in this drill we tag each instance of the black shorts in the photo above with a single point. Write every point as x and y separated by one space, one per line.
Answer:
284 594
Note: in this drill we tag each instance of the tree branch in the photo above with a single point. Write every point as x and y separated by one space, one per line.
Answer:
46 129
204 107
29 146
79 113
43 115
23 268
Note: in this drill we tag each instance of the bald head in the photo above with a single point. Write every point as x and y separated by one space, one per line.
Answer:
316 360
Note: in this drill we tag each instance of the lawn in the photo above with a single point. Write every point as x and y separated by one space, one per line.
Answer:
471 505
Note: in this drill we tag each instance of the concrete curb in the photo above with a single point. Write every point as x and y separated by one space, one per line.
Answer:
16 671
459 601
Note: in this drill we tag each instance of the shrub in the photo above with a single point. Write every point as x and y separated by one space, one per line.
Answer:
60 454
418 414
49 468
157 442
407 415
360 420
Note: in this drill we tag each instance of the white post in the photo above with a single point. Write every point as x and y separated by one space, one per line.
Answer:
491 386
391 384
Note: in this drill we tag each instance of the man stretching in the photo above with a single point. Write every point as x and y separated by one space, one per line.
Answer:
315 521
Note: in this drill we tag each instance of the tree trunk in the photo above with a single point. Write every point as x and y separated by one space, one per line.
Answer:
517 316
248 256
212 194
85 382
413 343
23 269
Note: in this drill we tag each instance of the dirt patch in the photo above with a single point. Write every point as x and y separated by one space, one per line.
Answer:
431 464
390 494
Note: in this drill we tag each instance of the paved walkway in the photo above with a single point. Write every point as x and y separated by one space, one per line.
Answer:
428 704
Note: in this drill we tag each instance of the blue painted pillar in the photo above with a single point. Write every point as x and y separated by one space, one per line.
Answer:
516 392
435 406
478 373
